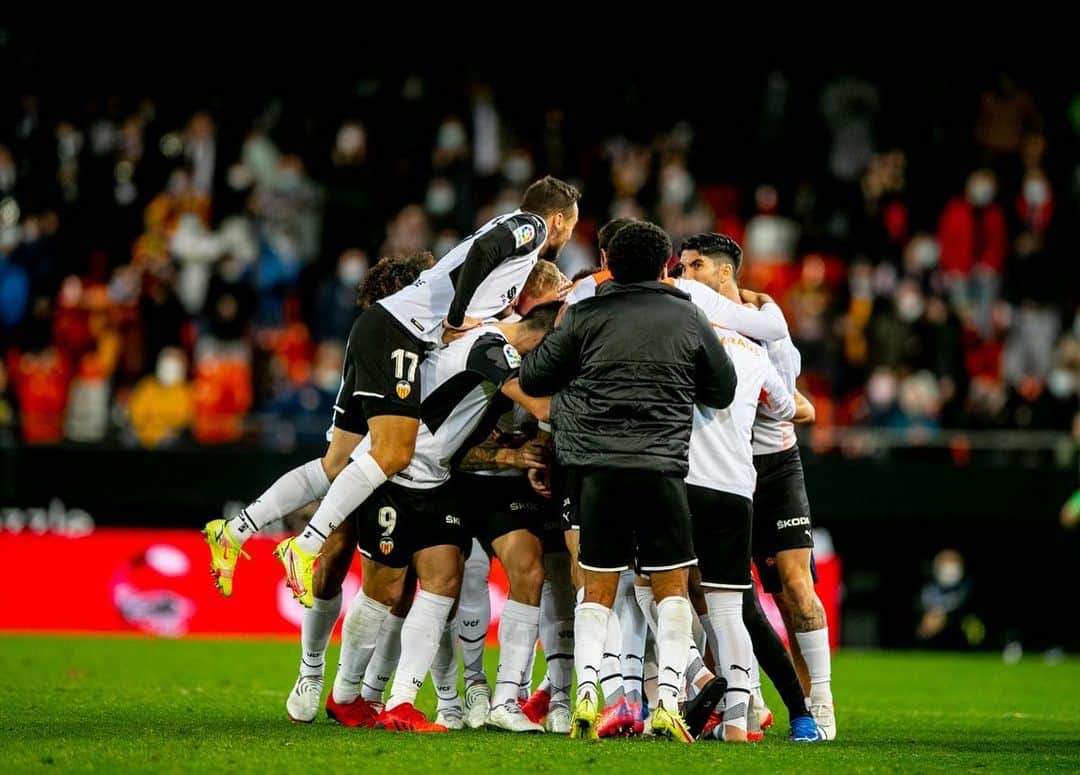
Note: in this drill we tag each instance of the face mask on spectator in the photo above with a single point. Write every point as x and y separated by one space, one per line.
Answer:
909 305
948 574
451 136
1061 383
351 271
518 168
1036 192
981 192
677 187
440 198
170 370
328 380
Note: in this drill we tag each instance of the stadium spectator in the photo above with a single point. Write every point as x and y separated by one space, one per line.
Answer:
161 404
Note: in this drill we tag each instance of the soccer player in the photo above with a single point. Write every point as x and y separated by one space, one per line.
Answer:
415 519
784 543
475 281
625 369
714 259
309 482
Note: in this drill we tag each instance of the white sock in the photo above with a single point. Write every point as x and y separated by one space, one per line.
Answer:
647 604
755 684
697 674
420 637
633 625
474 614
814 646
297 488
383 660
673 625
359 633
557 627
611 679
648 671
736 656
353 486
697 633
525 689
518 629
315 628
590 631
444 668
710 635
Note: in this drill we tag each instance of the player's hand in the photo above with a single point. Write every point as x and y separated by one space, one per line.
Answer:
540 479
450 333
532 454
755 298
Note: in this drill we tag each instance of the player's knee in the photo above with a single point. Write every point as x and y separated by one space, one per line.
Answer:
447 584
393 457
526 580
334 462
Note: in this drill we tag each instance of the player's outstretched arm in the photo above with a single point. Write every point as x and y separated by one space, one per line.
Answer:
538 407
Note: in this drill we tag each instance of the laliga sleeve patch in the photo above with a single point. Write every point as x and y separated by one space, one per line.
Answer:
524 234
513 358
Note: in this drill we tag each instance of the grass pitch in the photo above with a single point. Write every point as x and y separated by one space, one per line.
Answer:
130 704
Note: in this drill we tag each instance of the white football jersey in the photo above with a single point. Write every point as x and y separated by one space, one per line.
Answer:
721 456
765 324
772 434
422 307
458 384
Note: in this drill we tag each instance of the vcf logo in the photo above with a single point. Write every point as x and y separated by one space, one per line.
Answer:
386 545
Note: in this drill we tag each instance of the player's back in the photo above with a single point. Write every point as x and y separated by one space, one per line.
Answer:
721 453
422 306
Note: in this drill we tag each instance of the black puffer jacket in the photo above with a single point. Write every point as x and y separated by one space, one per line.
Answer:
625 369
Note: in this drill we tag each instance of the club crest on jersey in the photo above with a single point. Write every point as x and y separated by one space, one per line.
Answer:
523 235
386 545
403 389
513 358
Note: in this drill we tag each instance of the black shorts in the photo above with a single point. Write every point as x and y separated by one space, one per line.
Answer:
493 506
781 513
566 493
722 524
630 517
381 375
397 522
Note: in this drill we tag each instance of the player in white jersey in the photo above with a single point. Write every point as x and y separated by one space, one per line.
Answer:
784 542
722 483
414 518
475 281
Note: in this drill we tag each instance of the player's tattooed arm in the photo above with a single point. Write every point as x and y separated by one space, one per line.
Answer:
490 455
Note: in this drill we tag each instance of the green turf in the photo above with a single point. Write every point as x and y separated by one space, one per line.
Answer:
128 704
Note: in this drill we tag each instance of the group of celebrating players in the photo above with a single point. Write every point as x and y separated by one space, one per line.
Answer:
623 444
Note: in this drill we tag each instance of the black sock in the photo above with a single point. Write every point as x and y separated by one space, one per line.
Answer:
772 657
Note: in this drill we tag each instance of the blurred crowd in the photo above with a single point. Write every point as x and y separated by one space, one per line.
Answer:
164 280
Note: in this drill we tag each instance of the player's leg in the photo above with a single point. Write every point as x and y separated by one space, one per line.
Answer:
521 554
382 587
805 618
388 646
722 524
431 527
665 551
444 673
557 639
318 623
385 360
474 618
439 571
292 491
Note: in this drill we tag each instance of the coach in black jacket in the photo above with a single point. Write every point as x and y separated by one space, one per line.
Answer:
625 369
